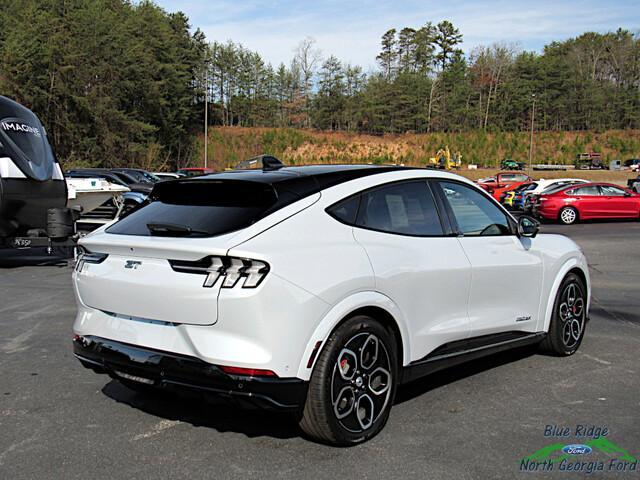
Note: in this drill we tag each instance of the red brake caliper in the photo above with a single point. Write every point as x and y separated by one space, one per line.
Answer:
343 363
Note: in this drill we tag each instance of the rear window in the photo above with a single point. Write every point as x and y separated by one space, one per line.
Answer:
517 177
199 209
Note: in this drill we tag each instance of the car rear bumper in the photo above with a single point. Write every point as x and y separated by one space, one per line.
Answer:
167 370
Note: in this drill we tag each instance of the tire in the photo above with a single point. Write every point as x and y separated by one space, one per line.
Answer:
568 320
568 215
353 384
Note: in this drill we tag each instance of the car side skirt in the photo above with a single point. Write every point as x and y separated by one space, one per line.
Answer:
455 353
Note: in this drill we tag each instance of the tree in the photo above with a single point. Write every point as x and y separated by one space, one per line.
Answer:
424 47
331 95
446 39
387 57
307 58
407 50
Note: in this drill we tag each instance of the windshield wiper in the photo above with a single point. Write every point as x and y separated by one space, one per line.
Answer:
173 229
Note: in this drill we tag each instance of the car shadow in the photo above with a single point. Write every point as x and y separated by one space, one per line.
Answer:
199 412
439 379
224 417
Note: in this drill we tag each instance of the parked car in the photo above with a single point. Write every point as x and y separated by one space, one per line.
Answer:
589 161
588 201
529 197
510 164
142 176
498 191
502 182
634 184
168 175
514 198
320 289
632 164
195 171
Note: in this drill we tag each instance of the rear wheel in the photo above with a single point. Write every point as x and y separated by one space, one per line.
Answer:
568 321
352 385
568 215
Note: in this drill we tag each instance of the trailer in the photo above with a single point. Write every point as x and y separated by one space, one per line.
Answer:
33 191
589 161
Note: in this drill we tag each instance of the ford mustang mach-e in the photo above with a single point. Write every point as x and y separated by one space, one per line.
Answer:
320 289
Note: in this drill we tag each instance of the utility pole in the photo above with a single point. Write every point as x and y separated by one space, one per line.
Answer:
533 116
206 111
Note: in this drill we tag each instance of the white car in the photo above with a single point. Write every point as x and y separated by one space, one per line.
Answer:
167 175
542 186
320 289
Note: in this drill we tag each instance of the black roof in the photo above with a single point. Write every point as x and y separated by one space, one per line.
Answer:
324 175
288 183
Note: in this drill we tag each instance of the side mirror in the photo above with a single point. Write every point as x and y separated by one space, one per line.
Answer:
627 194
527 226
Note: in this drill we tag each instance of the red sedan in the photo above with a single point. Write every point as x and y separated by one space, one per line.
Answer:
587 201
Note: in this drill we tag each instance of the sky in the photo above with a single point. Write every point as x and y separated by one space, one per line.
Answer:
351 30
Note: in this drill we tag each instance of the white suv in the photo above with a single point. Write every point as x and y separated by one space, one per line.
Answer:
320 289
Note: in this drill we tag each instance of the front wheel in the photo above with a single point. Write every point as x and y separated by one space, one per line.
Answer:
568 320
352 385
568 215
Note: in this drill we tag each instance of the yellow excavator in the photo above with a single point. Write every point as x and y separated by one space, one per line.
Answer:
445 160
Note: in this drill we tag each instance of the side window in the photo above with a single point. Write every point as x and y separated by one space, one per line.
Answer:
406 208
589 190
612 191
346 210
474 213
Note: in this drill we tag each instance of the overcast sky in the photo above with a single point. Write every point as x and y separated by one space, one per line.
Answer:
351 30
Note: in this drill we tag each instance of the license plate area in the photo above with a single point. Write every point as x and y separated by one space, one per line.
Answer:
134 378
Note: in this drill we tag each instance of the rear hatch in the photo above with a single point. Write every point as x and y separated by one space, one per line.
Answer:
154 263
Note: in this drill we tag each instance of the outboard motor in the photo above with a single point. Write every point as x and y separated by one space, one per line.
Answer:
33 191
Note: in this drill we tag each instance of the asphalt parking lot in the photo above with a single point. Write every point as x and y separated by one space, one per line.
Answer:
58 420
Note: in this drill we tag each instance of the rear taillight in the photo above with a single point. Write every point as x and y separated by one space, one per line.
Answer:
249 273
85 256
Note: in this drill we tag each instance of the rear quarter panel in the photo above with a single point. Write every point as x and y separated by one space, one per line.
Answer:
560 255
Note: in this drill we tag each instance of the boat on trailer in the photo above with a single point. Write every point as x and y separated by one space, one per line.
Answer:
87 194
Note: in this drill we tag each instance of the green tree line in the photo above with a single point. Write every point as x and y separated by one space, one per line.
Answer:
425 83
112 81
124 83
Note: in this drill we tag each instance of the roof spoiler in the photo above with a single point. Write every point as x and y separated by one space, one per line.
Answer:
264 162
